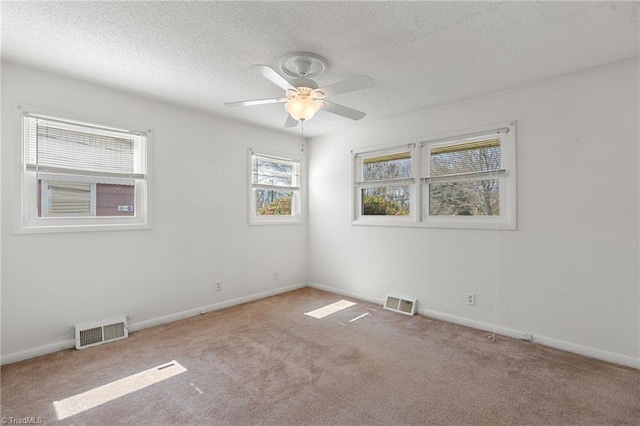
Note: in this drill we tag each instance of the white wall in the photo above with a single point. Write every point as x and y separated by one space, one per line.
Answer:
200 234
568 274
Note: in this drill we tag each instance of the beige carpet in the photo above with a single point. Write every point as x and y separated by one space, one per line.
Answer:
267 363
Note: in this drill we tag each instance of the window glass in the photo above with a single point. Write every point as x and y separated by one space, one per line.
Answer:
270 202
386 201
467 198
467 192
385 183
66 199
387 167
466 158
274 191
267 171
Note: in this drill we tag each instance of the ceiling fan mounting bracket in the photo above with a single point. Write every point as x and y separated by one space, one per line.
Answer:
302 64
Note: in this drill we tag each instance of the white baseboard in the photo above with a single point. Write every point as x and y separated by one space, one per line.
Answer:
68 344
543 340
42 350
504 331
210 308
347 293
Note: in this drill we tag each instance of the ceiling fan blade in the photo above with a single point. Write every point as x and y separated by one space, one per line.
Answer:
291 122
351 85
271 75
256 102
344 111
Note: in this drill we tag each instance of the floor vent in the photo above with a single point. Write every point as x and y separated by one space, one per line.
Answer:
401 304
88 335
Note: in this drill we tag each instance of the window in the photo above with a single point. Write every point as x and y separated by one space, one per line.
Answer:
465 181
275 190
385 184
80 176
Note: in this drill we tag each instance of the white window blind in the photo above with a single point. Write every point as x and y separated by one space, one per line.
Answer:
58 146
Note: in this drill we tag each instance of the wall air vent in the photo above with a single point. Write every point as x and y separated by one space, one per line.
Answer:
401 304
93 334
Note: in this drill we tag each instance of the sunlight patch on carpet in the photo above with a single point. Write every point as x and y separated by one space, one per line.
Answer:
330 309
359 316
97 396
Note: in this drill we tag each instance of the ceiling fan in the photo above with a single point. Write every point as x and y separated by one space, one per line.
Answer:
302 97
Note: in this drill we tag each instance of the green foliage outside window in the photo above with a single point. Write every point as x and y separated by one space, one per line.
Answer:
277 207
376 205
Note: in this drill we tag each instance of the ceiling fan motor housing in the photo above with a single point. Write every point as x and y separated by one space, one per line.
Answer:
304 82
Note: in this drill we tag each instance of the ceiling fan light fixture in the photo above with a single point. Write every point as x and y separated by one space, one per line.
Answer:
302 107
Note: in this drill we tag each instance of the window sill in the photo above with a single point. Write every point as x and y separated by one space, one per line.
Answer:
58 228
275 222
487 225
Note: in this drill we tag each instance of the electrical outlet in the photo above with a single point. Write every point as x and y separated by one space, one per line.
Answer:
218 285
275 275
471 299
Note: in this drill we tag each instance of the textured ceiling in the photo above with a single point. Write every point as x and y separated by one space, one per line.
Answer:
420 54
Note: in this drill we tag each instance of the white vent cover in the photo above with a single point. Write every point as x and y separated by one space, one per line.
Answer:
88 335
401 304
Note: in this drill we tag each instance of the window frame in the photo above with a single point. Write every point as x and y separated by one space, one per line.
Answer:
296 199
420 214
26 219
